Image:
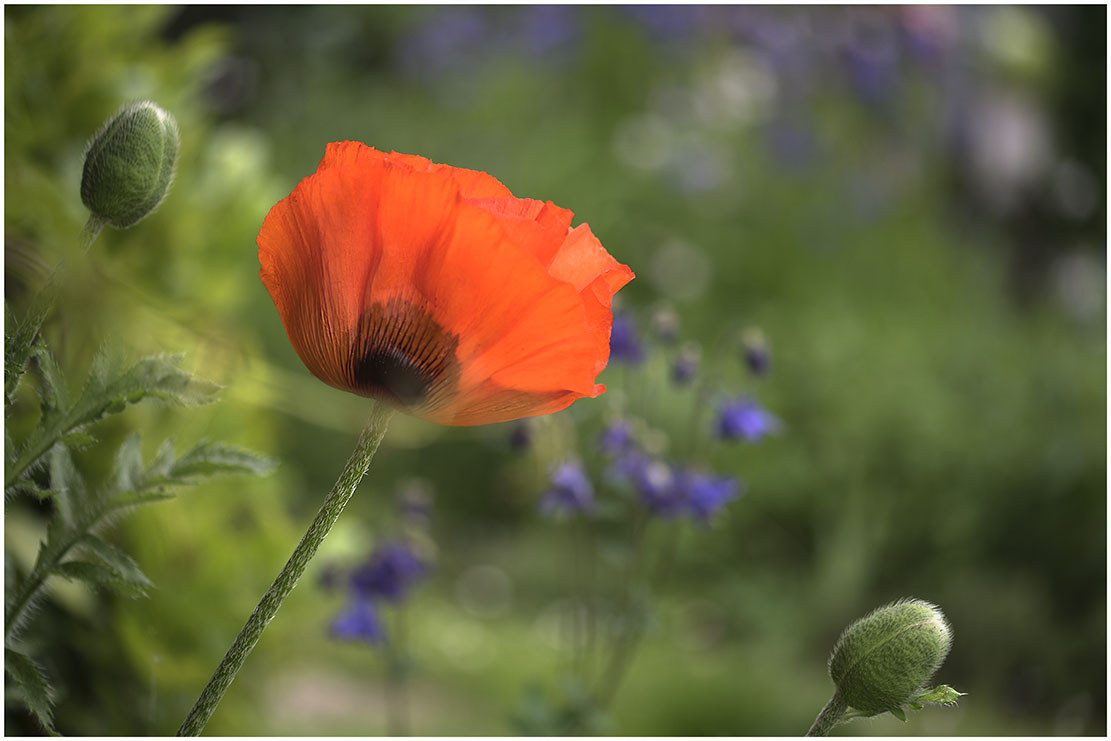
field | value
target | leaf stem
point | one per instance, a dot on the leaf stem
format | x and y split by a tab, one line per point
831	715
329	512
47	560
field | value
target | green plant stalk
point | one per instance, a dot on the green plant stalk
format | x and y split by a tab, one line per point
831	715
326	517
36	580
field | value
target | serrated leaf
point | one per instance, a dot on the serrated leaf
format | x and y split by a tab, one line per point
898	713
128	468
78	440
67	483
163	461
98	575
112	558
19	339
157	376
129	499
108	392
29	487
34	686
943	694
52	387
210	459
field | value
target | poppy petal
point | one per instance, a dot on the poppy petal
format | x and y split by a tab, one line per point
433	289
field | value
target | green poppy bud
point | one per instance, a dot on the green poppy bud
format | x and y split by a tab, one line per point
883	659
129	165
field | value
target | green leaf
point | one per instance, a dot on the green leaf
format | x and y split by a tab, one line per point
29	487
99	574
20	339
126	571
128	468
943	694
899	713
68	485
52	387
109	391
134	485
211	459
78	440
34	686
159	469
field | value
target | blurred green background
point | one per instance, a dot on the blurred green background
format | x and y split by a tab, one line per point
908	201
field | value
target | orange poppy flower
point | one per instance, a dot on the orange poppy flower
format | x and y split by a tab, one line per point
433	289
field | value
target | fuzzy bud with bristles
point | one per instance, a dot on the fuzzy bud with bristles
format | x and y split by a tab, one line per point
883	659
129	165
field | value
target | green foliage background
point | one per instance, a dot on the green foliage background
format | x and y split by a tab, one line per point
939	365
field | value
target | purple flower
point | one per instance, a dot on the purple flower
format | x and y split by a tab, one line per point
545	30
390	572
570	492
625	344
359	622
653	479
685	368
744	419
705	495
616	438
659	489
754	348
449	40
871	60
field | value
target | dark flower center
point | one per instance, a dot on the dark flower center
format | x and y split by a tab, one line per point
401	355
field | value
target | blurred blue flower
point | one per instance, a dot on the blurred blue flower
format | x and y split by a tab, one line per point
392	569
659	490
686	367
545	30
744	419
669	22
359	622
449	40
871	61
570	492
653	480
705	495
757	354
625	344
616	438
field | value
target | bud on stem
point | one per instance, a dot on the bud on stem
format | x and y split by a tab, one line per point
128	167
882	662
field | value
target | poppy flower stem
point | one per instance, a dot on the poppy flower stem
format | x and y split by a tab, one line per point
329	512
830	716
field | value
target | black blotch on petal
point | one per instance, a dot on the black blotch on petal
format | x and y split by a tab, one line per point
401	356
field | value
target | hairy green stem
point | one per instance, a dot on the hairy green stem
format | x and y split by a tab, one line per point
830	716
329	512
92	230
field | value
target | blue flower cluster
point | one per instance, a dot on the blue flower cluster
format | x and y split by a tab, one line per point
570	491
672	490
744	419
665	487
387	576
